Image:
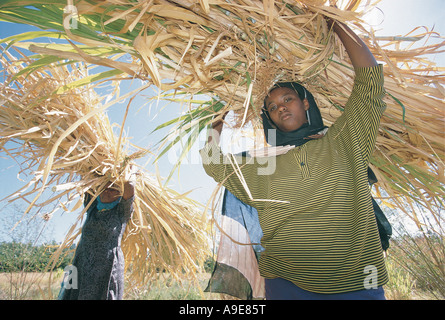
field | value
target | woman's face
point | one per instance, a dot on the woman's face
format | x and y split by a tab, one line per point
110	194
286	109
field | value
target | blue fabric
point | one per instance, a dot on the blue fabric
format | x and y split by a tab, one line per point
281	289
106	206
246	215
224	278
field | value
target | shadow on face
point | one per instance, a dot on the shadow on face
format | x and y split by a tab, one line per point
110	194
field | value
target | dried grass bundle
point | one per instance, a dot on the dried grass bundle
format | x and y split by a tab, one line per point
235	50
58	131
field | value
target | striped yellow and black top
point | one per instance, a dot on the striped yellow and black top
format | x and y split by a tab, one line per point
318	221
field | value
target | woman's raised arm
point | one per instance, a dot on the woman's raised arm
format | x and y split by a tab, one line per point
357	50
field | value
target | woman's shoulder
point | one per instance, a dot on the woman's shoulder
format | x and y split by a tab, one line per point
369	76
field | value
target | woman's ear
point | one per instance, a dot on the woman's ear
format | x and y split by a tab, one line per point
306	104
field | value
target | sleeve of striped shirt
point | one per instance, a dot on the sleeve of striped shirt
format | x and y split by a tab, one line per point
359	124
242	176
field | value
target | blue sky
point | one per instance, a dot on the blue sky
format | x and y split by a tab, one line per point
398	18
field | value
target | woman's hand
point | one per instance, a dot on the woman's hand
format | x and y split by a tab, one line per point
129	183
216	130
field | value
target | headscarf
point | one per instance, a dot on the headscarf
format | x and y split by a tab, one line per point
101	206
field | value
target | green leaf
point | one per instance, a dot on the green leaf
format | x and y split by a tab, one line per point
185	150
88	80
46	60
32	35
401	104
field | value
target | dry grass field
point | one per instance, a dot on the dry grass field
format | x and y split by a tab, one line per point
33	286
27	285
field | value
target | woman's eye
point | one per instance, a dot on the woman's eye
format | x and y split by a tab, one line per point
272	108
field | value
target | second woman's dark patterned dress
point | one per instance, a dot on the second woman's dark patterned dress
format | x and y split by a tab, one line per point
99	259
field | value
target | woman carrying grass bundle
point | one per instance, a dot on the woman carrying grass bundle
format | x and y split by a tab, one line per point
320	236
99	261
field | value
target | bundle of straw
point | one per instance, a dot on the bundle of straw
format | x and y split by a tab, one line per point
59	132
235	50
